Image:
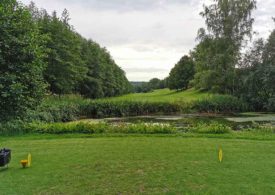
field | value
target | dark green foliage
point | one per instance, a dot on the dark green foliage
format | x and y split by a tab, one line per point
65	65
181	74
221	104
229	23
56	113
13	127
99	109
140	87
214	66
257	75
77	65
21	61
103	77
153	84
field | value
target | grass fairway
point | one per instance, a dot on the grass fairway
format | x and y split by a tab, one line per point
164	95
134	165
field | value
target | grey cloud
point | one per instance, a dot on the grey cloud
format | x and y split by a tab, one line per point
129	5
146	70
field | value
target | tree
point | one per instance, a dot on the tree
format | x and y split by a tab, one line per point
256	75
21	61
269	72
75	64
65	66
250	86
229	24
154	83
181	74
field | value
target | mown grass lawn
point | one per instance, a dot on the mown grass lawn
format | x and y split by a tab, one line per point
134	165
164	95
161	95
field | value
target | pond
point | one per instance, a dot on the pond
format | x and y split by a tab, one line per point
182	121
236	122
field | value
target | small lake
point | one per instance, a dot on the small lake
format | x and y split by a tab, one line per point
236	121
261	117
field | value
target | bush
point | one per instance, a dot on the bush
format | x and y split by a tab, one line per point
93	128
220	104
15	127
263	129
55	113
271	104
101	109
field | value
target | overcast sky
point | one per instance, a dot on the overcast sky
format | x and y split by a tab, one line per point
145	37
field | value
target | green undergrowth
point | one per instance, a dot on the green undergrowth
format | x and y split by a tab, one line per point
73	107
104	128
100	128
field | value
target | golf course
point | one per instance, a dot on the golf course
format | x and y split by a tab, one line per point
134	156
122	97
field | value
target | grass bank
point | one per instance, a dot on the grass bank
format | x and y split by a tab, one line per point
69	108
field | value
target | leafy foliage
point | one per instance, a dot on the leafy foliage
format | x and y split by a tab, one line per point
77	65
145	87
92	128
221	104
181	74
21	61
229	23
256	76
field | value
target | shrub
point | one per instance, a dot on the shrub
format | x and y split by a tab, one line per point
99	109
220	104
271	104
15	127
55	113
92	128
263	129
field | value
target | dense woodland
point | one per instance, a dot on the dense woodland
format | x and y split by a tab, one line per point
41	53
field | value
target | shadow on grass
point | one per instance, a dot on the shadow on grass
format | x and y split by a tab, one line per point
3	169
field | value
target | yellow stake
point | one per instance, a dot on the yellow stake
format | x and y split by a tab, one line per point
29	160
220	155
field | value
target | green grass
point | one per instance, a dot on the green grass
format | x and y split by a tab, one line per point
135	165
161	95
164	95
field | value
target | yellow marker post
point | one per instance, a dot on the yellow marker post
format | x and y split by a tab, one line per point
220	155
29	160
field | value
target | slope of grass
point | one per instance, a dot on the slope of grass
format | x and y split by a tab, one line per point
164	95
161	95
135	165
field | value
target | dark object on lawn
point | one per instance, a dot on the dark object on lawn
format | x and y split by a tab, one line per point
5	157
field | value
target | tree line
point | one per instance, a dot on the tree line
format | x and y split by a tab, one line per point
42	53
218	63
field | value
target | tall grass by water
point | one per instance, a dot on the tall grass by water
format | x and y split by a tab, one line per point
73	107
